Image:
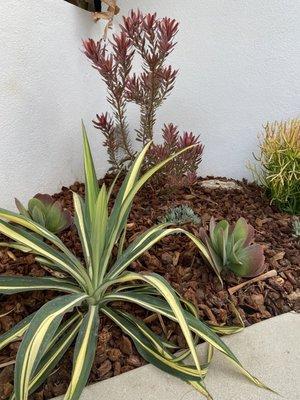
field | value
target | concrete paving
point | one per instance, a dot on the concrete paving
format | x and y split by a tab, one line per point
269	349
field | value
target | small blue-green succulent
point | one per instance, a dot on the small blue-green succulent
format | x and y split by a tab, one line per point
231	247
181	215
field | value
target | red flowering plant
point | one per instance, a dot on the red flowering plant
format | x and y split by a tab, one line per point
152	39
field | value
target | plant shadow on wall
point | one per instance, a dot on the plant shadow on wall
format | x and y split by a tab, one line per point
152	39
94	286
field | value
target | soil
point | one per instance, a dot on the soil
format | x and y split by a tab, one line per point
177	259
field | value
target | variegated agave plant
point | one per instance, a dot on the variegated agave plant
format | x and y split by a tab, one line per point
232	247
92	288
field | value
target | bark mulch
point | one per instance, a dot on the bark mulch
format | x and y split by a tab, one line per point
175	258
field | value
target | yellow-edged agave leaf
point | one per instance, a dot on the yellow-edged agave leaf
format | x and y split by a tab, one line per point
138	247
83	230
84	353
122	206
77	316
134	171
126	204
91	183
130	179
162	307
203	251
43	249
18	284
42	231
16	332
39	333
64	339
160	345
149	352
166	290
98	233
158	342
201	389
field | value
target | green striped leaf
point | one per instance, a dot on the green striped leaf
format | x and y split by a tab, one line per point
18	284
42	231
161	306
150	353
60	344
84	353
98	234
136	248
166	290
91	183
37	337
15	332
82	225
20	235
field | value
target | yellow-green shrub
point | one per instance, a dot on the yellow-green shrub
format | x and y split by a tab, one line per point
279	156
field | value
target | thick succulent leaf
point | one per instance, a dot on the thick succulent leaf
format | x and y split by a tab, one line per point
251	261
55	218
37	337
166	290
91	183
46	199
160	306
16	332
243	231
84	353
37	214
18	284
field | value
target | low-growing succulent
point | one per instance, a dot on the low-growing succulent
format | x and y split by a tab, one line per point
181	215
44	210
296	228
232	247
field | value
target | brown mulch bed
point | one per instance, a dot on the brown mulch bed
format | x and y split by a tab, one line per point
178	261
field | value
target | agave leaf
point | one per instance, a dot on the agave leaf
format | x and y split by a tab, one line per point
40	332
16	332
84	353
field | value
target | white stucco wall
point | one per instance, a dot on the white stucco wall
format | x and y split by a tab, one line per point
46	87
239	67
